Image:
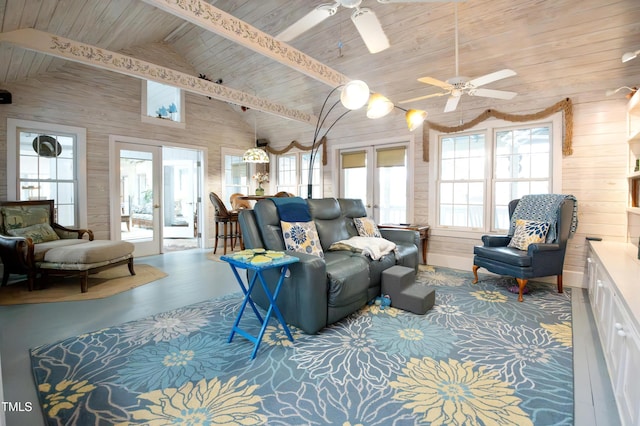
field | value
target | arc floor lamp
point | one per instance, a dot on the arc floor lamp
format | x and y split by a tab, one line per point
355	94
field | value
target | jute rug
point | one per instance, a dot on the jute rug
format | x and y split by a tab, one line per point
104	284
478	357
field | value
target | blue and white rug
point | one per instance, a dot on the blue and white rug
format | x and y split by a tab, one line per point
478	357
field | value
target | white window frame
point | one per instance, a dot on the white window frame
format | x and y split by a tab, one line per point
224	152
182	124
409	140
301	176
489	127
13	151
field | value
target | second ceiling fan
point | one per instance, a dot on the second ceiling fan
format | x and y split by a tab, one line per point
459	85
363	18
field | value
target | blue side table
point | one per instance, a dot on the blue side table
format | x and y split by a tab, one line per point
244	263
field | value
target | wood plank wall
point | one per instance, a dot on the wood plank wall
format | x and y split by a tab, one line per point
106	104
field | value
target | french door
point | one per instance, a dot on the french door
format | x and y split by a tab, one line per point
137	216
378	175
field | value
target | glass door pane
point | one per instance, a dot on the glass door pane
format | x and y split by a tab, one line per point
140	194
378	176
391	188
181	191
355	176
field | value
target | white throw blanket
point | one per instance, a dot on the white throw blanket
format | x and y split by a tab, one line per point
373	247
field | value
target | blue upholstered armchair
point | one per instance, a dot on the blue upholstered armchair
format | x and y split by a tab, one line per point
539	259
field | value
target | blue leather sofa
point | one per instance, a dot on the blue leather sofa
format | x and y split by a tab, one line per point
321	291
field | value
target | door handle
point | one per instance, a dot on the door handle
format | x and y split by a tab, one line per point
156	206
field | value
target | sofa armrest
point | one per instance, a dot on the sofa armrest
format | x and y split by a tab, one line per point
495	240
303	297
406	236
17	251
68	233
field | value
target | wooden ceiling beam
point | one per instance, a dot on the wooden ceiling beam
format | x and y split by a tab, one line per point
87	54
217	21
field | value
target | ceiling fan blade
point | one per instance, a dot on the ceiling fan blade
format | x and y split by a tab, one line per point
491	93
370	30
452	103
308	21
435	82
419	98
421	1
489	78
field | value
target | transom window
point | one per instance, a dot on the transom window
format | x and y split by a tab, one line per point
162	104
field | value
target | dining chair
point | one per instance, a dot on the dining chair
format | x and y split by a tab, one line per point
229	220
237	204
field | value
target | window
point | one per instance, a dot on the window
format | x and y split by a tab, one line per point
236	176
287	173
462	180
293	174
47	166
480	171
162	104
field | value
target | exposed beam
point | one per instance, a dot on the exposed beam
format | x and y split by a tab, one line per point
75	51
217	21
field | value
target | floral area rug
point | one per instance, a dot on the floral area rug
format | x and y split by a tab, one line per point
478	357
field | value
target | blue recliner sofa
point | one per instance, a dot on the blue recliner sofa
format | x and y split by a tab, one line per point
321	291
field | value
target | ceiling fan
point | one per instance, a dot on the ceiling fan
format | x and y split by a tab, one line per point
459	85
363	18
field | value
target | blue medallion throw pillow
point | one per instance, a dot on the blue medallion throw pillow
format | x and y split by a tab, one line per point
302	237
366	227
528	232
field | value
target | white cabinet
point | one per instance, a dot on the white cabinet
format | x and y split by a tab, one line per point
612	277
624	347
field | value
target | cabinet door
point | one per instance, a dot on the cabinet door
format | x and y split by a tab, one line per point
592	267
625	360
615	340
602	307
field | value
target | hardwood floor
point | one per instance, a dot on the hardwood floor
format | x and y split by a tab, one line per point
193	278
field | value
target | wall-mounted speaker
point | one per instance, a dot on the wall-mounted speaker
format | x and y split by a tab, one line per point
5	97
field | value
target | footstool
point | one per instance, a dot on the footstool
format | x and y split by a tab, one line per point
399	283
84	259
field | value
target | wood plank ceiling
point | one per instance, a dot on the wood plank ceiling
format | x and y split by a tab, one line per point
558	48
